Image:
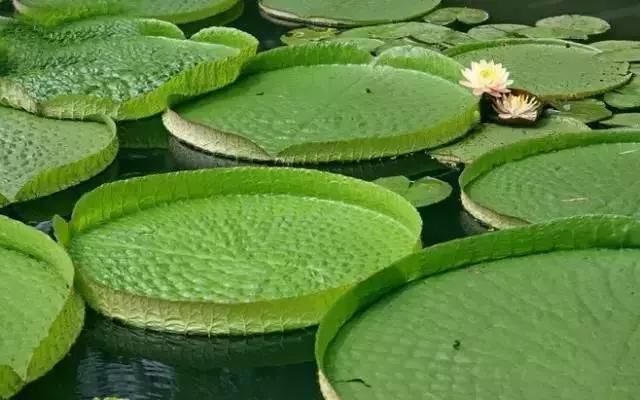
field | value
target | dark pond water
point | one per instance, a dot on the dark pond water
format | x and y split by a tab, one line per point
111	360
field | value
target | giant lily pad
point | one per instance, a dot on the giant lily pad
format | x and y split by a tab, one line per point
179	12
40	314
123	68
330	102
488	137
40	156
151	251
554	177
552	69
346	13
542	312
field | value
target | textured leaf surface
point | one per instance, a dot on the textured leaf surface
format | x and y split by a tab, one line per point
581	23
548	311
488	137
294	111
623	120
180	12
346	13
154	258
586	110
421	193
465	15
625	97
550	69
39	156
123	68
554	177
619	50
39	314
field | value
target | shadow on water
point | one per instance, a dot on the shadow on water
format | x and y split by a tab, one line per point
112	360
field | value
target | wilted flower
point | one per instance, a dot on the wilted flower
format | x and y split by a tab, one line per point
517	106
487	77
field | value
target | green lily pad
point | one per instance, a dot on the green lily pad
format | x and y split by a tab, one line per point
305	35
421	193
552	32
488	137
147	133
555	177
579	23
631	120
329	102
150	251
552	69
40	156
465	15
518	314
625	97
619	50
496	31
350	13
436	34
586	110
421	59
54	12
123	68
40	314
393	31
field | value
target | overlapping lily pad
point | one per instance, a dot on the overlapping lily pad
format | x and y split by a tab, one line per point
619	50
488	137
496	31
552	69
449	15
233	251
345	13
123	68
419	32
40	156
629	120
330	102
555	177
421	193
625	97
52	12
585	110
522	314
40	314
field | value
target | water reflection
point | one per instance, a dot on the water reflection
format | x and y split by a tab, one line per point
112	360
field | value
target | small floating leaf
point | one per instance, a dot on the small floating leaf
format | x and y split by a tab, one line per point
552	32
304	35
421	193
587	110
631	120
625	97
449	15
488	137
340	13
436	34
389	31
287	241
564	175
496	31
581	23
619	50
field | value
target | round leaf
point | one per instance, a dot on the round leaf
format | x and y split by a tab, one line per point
581	23
465	15
555	177
151	251
305	35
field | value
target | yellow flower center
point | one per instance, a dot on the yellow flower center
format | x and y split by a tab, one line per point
488	74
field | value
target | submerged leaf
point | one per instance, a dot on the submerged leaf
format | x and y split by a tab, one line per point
421	193
449	15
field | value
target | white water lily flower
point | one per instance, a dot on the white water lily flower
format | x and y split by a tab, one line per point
520	106
487	77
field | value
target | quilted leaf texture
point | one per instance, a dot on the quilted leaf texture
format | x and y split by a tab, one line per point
548	311
40	314
51	12
556	176
233	251
324	102
122	68
40	156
